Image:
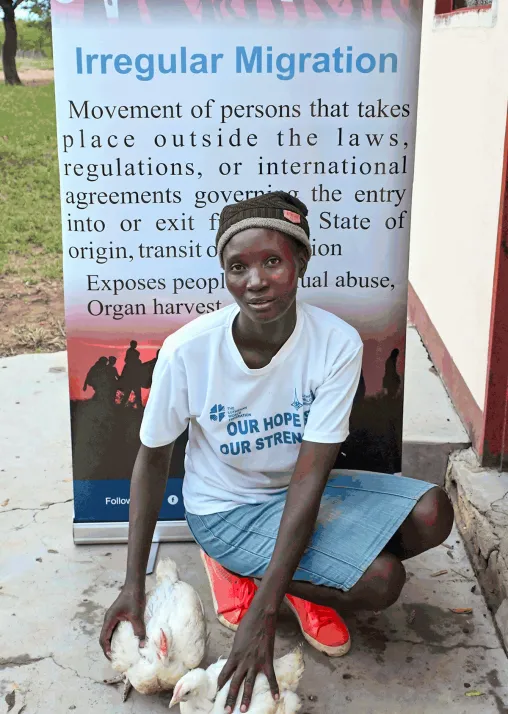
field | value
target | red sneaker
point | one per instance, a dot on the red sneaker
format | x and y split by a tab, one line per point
232	595
322	627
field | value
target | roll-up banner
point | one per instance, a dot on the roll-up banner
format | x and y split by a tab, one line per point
166	111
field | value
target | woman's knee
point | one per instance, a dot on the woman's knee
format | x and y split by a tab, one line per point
384	580
433	516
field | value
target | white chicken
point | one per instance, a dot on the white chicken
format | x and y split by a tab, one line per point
197	692
175	636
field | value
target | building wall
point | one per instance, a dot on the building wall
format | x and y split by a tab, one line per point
459	161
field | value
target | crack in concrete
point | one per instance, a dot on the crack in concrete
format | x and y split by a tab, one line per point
71	669
26	660
37	510
444	648
493	506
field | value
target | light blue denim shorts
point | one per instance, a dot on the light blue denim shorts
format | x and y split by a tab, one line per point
360	512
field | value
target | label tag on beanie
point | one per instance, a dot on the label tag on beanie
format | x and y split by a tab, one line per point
292	216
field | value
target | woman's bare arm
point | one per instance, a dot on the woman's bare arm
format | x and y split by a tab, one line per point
253	646
303	500
148	484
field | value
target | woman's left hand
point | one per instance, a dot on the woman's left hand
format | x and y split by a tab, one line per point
251	655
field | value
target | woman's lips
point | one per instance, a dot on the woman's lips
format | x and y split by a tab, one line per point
261	305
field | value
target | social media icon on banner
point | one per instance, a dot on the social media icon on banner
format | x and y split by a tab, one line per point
173	500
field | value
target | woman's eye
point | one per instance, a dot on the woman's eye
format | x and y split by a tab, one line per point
236	268
273	261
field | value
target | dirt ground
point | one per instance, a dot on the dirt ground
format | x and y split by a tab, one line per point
31	316
34	76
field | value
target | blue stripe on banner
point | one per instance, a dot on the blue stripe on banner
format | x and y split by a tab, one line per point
108	501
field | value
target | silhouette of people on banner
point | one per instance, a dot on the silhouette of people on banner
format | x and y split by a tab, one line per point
361	390
104	379
107	432
97	378
391	379
131	376
113	378
148	368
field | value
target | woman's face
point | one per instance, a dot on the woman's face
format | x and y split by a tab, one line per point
262	268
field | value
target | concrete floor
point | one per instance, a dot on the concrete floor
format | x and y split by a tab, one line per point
417	657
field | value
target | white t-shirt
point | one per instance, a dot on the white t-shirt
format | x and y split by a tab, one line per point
246	425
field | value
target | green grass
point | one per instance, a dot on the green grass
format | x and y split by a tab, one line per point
30	233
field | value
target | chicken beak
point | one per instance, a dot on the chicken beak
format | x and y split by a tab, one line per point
175	699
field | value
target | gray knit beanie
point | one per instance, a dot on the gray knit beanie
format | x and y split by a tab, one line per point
277	211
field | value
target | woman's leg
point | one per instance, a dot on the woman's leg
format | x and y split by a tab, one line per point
428	525
378	588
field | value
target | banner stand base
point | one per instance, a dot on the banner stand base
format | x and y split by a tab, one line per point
154	550
98	533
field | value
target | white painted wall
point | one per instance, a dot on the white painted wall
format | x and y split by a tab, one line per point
459	154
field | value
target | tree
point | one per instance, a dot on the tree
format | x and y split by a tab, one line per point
10	46
41	13
41	10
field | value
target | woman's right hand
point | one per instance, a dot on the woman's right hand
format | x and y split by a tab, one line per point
128	607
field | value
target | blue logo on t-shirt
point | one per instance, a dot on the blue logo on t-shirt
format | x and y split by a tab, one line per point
307	400
296	403
217	412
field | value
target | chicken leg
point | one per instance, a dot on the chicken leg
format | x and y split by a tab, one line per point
127	686
115	680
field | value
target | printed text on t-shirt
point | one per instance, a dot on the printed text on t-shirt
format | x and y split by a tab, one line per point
244	427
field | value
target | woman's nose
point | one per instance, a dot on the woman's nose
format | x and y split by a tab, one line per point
256	279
